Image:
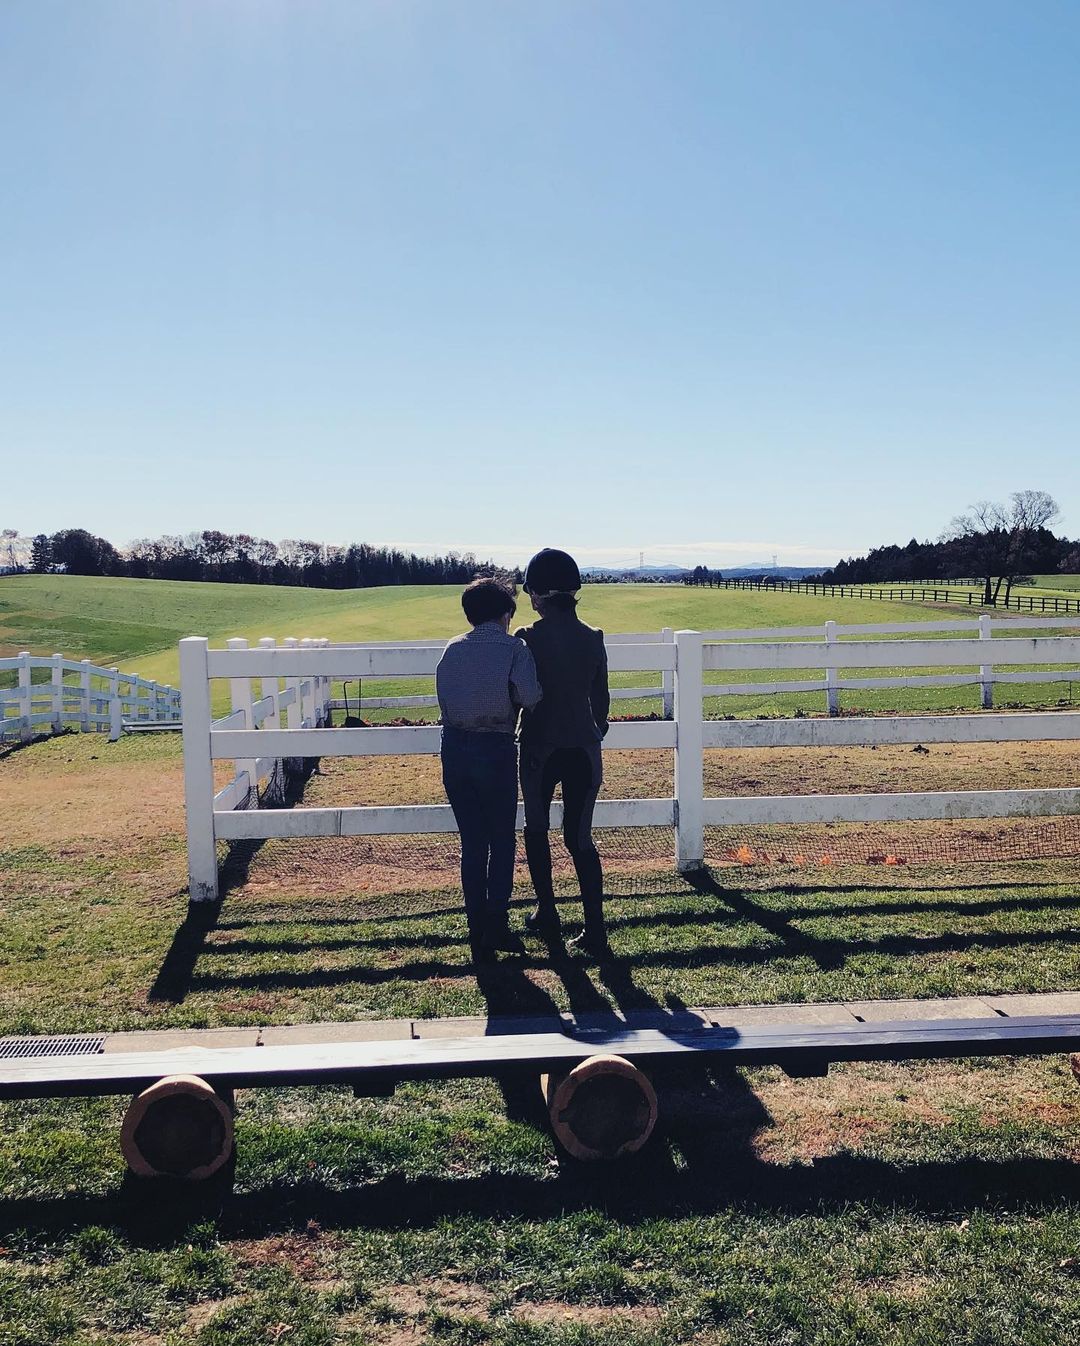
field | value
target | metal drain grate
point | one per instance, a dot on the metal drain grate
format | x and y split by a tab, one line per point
64	1046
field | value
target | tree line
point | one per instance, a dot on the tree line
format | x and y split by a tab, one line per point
999	544
239	558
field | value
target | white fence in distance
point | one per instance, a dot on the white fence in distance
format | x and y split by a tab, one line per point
295	679
78	694
830	683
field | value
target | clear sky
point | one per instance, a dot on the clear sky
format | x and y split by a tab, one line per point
710	280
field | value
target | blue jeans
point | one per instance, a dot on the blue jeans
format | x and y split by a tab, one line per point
480	777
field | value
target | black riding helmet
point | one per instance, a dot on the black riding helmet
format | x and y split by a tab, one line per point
552	572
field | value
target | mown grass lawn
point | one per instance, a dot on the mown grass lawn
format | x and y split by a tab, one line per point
935	1203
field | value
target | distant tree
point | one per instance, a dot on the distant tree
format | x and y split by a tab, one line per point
40	554
1001	538
9	549
81	553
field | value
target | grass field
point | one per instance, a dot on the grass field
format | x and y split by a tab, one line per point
1066	584
140	621
135	625
934	1204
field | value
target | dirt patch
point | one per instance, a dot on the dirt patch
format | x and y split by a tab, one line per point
415	1306
741	771
383	1334
408	1310
461	1298
198	1315
307	1256
559	1314
57	789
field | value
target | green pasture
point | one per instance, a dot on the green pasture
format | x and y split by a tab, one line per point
1066	584
135	624
1041	586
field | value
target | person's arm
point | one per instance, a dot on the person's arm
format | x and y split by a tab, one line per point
599	696
525	689
439	686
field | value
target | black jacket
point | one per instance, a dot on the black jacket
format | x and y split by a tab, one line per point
571	663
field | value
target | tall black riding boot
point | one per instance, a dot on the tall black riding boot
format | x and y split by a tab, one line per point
593	939
544	918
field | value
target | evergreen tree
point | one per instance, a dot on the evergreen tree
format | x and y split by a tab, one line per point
40	554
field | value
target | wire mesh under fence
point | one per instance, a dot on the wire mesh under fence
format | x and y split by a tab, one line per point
634	860
281	783
952	842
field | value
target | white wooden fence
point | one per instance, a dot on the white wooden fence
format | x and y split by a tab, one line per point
830	683
295	680
69	693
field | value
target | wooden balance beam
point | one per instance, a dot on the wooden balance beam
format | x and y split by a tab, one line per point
601	1101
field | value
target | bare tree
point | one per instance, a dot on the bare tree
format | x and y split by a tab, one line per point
999	537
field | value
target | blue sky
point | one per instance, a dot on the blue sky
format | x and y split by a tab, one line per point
709	280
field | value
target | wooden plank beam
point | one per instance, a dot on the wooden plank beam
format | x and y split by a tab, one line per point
804	1046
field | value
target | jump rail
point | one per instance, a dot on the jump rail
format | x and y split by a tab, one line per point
294	681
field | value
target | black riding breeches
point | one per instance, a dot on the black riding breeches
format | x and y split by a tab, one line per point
580	773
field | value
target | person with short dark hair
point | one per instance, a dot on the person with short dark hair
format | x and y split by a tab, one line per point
560	745
483	680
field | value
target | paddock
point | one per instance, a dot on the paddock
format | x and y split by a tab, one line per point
295	681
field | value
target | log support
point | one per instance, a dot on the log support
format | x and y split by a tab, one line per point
602	1109
180	1127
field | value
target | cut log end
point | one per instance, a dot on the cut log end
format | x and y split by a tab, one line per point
179	1127
603	1109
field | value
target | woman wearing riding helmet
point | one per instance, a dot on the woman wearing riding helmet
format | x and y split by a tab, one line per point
560	744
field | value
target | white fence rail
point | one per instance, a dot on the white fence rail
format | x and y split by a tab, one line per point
49	694
290	715
831	682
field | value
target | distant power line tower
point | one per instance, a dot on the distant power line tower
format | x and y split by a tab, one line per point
641	560
774	560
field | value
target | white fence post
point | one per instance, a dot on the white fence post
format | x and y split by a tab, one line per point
198	771
116	727
689	753
986	632
667	678
307	701
294	712
325	717
832	692
25	694
57	693
84	695
270	687
240	694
